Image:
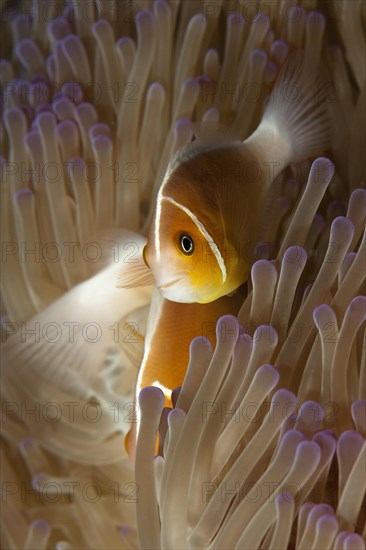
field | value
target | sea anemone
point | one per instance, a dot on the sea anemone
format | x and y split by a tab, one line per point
265	446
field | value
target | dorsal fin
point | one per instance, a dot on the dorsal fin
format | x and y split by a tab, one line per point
208	134
296	122
214	132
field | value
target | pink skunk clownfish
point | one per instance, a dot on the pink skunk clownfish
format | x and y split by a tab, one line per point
208	206
206	218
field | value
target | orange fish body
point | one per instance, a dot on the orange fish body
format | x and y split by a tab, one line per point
166	354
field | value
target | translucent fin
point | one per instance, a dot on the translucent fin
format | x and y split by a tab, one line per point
212	131
208	134
128	254
296	121
299	104
137	274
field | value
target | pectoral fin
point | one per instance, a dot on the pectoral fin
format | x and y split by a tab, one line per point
135	275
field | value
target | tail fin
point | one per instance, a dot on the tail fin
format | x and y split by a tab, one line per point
296	121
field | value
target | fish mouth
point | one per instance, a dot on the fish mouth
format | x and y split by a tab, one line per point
167	285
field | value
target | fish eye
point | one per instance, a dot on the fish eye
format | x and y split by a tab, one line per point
186	244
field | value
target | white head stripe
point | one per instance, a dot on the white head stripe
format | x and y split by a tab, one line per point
214	249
